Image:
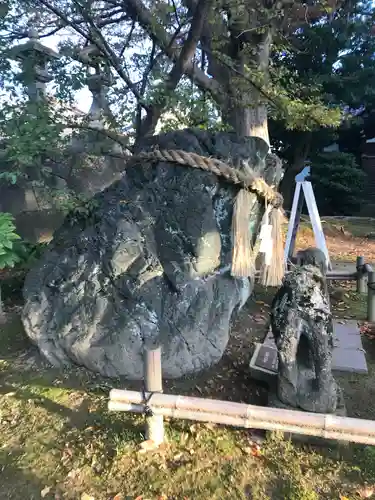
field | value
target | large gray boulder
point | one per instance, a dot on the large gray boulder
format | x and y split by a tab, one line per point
150	265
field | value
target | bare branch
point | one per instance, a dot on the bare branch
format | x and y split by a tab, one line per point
138	12
176	14
109	134
127	41
98	40
182	63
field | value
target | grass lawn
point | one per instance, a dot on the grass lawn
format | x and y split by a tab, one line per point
58	441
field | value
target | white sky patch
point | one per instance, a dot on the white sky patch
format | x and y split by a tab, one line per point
83	97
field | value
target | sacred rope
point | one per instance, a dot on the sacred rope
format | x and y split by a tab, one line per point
243	259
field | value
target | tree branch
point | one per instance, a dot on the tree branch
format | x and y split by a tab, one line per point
127	41
182	63
99	41
176	14
143	88
138	12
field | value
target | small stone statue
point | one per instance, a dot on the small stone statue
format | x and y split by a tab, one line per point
301	322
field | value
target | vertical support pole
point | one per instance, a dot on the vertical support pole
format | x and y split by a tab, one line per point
291	224
361	278
371	297
316	223
153	382
295	227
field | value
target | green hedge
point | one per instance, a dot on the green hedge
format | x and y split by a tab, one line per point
338	183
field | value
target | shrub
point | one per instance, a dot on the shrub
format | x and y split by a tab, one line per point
338	183
15	252
8	236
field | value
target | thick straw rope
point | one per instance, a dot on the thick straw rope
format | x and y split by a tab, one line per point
243	259
246	180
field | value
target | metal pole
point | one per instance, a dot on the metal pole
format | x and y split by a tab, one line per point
371	297
153	382
361	277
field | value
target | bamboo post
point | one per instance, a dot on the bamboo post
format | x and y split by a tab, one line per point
248	416
361	278
371	297
154	384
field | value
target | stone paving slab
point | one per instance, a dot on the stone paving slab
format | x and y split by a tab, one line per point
348	354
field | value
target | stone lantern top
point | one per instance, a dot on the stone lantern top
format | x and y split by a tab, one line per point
34	58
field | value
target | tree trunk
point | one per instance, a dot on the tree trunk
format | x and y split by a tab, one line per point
246	108
249	121
301	153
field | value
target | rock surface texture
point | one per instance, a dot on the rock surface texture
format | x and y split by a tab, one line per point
149	266
302	325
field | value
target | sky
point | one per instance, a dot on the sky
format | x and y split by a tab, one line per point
84	96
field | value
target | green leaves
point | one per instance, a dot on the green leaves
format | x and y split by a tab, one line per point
338	183
8	235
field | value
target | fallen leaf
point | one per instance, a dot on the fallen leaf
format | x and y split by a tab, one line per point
148	445
343	498
210	426
366	492
45	491
253	450
184	437
256	452
119	496
193	428
85	496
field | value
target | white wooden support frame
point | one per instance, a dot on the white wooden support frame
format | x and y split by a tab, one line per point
304	188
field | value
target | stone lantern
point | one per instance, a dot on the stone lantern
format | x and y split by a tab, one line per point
34	58
99	79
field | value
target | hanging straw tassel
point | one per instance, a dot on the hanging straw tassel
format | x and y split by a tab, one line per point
273	274
243	264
